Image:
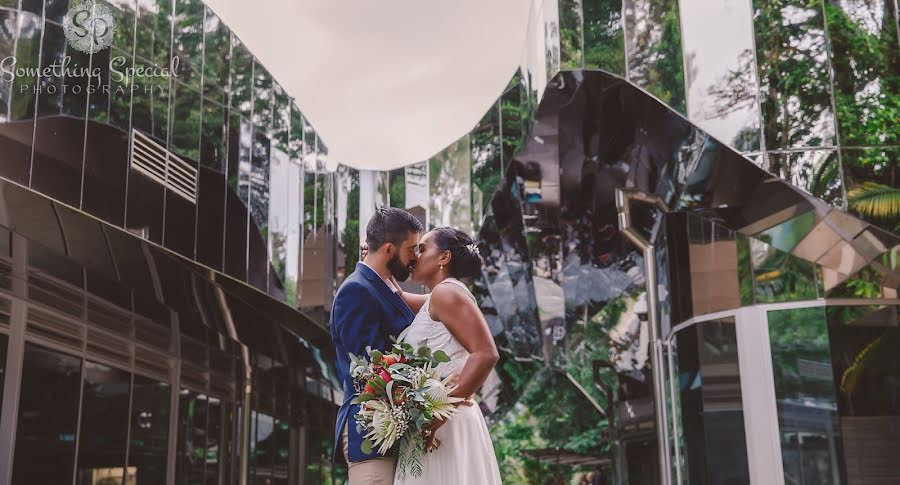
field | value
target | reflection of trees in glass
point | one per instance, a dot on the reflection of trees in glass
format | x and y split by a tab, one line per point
654	49
512	119
604	39
735	92
866	71
551	412
485	143
449	176
872	177
799	337
570	35
397	188
348	179
876	201
793	73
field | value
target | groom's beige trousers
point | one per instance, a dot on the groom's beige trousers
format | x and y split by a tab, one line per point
377	471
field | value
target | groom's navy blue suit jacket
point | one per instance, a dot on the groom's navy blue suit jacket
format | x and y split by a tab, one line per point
366	312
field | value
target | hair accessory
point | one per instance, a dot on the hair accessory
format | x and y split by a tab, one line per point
474	249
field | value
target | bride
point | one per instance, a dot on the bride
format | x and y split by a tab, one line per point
461	452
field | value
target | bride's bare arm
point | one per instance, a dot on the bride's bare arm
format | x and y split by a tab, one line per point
454	307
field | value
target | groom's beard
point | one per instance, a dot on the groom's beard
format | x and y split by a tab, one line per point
398	270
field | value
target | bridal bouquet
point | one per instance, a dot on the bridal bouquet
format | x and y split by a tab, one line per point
400	393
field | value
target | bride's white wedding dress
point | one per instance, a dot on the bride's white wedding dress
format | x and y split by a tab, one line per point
466	455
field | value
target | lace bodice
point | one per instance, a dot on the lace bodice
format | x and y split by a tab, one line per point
426	331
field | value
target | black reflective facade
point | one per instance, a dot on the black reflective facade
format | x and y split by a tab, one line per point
166	214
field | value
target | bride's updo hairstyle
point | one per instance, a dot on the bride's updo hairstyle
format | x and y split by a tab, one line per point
466	259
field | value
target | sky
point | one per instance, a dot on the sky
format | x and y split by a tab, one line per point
385	83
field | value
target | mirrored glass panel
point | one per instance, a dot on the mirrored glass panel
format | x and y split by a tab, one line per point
484	142
653	47
817	172
149	439
216	58
807	402
450	187
872	177
104	425
571	38
13	136
279	211
793	74
604	39
347	205
712	409
191	457
863	37
722	88
48	417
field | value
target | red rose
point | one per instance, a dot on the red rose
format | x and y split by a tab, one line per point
385	376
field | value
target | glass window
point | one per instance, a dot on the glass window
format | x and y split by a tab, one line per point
216	439
104	425
188	36
211	193
262	98
257	258
53	51
869	173
653	46
262	448
282	437
213	149
28	49
863	37
722	90
712	407
604	39
185	121
818	172
48	417
181	220
485	146
217	58
236	216
397	187
120	82
149	446
571	38
241	77
450	191
793	74
105	172
347	221
279	211
192	414
17	156
805	394
54	10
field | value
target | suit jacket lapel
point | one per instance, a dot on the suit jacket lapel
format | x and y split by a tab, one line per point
386	292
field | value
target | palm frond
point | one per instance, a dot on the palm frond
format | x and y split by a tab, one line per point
875	200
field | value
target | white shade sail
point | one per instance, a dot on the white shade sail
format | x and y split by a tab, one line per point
386	83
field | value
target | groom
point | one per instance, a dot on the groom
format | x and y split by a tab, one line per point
367	312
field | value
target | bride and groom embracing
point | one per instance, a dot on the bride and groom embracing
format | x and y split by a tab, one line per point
370	308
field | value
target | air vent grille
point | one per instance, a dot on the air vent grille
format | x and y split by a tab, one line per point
154	161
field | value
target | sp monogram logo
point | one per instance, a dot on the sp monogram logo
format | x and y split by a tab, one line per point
89	26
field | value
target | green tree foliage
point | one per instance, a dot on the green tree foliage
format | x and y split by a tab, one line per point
604	38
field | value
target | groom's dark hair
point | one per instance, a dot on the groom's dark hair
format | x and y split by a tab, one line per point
390	225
